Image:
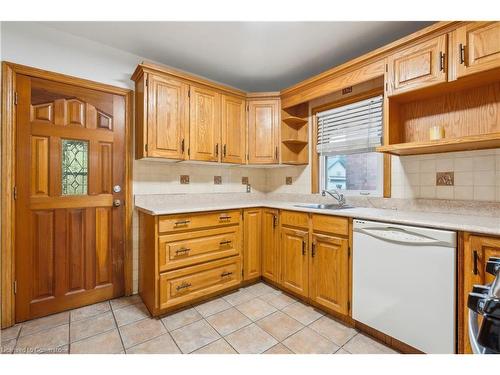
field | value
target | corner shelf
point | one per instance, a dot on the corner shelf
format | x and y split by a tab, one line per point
295	135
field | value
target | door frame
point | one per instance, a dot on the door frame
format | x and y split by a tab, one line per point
8	157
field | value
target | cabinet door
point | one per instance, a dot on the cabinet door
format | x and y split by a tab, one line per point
252	236
233	130
477	251
263	131
419	66
477	47
270	258
329	272
167	118
294	260
204	124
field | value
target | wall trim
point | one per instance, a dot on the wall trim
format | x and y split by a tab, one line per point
8	153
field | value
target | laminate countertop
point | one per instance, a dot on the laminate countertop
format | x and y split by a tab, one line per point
468	223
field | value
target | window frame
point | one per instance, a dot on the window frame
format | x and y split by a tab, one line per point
315	156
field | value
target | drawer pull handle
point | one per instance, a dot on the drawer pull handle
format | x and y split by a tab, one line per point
227	242
476	259
461	53
182	222
182	250
184	285
225	274
313	252
224	217
304	247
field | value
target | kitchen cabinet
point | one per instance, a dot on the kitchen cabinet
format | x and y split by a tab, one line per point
162	122
188	257
418	66
329	272
204	124
477	47
233	130
477	250
252	243
294	260
270	248
263	131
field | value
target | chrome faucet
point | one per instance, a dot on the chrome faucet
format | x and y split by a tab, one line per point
339	197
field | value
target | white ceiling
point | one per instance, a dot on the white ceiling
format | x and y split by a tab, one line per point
252	56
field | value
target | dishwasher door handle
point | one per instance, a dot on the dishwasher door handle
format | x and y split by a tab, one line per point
373	233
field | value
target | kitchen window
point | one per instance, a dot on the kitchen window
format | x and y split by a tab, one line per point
347	138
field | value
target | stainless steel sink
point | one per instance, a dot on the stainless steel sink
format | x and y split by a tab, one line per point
322	206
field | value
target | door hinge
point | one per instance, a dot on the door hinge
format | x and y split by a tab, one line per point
15	286
14	192
386	67
15	98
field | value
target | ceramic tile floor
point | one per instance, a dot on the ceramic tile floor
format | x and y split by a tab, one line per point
254	319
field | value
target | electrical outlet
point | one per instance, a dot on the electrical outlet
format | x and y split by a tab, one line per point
288	180
249	188
218	180
184	179
244	180
445	178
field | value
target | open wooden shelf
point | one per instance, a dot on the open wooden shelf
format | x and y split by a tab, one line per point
295	142
471	142
295	135
294	121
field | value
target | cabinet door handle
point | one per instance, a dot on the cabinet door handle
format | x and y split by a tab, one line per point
476	258
461	53
184	285
182	146
182	222
303	247
225	274
216	149
442	58
227	242
313	249
182	250
224	151
276	153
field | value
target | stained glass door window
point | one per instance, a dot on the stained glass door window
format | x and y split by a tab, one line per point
74	167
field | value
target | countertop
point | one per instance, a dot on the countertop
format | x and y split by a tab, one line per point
468	223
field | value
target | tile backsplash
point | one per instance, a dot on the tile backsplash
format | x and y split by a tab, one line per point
476	175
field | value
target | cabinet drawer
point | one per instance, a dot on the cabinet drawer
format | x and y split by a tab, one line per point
330	224
177	223
295	219
184	285
187	249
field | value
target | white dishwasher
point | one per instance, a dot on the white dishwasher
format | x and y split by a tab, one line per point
404	283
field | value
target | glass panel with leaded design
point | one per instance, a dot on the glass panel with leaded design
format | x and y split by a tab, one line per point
74	167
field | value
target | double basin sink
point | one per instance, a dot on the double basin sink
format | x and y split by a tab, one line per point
323	206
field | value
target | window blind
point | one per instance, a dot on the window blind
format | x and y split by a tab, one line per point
352	128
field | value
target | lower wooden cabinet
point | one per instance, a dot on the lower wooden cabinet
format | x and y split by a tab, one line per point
477	250
329	272
252	243
270	241
294	260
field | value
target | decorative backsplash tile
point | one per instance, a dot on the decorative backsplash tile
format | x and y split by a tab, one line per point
244	180
288	180
474	175
184	179
217	180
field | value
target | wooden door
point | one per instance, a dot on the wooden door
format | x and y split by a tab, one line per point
233	130
270	253
252	243
204	124
294	260
167	118
70	146
477	47
477	251
263	131
329	272
418	66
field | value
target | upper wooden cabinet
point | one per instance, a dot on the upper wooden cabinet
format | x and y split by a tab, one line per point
477	47
418	66
233	130
263	131
204	124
